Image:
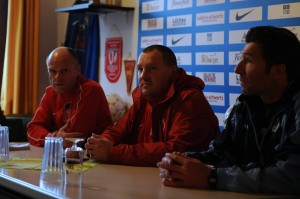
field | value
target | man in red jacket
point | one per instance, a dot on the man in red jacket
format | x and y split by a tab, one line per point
71	106
169	113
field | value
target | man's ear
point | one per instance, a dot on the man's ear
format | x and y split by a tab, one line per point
78	68
278	70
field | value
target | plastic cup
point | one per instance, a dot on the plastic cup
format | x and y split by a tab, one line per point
4	143
52	165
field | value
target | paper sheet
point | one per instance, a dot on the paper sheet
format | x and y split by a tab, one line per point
36	164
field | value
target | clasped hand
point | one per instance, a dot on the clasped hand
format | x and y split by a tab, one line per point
98	148
62	133
178	170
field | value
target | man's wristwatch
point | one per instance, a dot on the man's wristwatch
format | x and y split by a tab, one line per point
213	178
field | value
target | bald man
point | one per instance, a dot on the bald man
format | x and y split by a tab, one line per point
72	106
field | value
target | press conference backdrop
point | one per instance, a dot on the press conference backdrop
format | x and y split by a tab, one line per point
207	37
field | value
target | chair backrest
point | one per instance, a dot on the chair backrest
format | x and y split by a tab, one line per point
18	127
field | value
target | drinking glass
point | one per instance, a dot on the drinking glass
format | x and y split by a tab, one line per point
52	165
74	155
4	143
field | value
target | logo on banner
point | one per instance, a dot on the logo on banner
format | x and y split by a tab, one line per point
211	78
179	4
280	11
152	6
240	17
234	79
210	38
286	9
209	2
246	14
216	99
184	58
235	57
237	36
152	24
113	58
179	40
210	18
175	41
210	58
179	21
150	40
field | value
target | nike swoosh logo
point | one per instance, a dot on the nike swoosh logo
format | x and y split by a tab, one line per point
177	40
239	17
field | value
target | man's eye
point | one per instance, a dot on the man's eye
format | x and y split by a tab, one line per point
64	71
246	59
51	72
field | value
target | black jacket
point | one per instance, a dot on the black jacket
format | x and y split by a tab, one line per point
249	159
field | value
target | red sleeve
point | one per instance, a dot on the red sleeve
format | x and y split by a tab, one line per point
37	129
190	125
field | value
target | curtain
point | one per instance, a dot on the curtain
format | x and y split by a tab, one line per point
3	23
19	91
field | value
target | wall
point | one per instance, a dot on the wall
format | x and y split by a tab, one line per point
207	37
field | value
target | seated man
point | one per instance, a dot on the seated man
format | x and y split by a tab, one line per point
169	112
71	106
259	149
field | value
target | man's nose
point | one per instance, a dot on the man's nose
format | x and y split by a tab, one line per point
239	67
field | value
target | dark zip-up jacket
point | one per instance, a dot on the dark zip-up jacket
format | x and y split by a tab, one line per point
256	153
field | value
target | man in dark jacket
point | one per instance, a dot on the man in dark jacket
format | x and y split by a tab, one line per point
169	113
259	150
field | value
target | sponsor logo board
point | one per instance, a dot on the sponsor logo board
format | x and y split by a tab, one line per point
288	10
179	4
245	14
152	6
209	2
150	40
234	57
211	78
210	38
179	40
215	99
184	58
179	21
153	24
237	36
234	79
210	18
210	58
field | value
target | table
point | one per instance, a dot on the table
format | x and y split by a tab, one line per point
105	181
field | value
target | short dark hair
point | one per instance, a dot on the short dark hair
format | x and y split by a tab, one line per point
169	57
279	46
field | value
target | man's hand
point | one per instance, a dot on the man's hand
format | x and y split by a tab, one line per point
98	148
178	170
62	133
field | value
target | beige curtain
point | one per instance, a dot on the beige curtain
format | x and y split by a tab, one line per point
19	92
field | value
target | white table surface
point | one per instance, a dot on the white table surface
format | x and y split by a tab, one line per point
107	181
